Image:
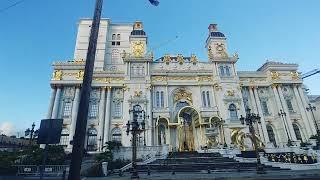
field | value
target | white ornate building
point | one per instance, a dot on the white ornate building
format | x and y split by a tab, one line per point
189	103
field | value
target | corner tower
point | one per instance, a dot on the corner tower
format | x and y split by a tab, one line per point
138	40
216	43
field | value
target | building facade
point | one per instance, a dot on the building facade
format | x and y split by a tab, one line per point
189	103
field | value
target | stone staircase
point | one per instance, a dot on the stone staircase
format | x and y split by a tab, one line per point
197	162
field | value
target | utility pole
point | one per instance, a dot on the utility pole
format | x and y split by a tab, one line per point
81	124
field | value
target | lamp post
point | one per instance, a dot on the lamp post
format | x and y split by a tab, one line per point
32	133
284	114
250	119
312	109
134	128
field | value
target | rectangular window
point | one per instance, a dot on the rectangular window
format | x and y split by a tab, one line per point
221	71
208	99
118	43
289	104
204	104
67	109
265	108
162	99
157	99
93	110
113	43
117	109
228	71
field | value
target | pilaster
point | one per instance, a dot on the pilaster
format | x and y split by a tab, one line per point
55	110
288	119
302	110
101	118
107	117
309	116
263	123
51	103
75	107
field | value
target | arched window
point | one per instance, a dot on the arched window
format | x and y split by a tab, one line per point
161	134
118	36
64	139
227	70
297	131
113	36
208	99
204	103
116	135
92	139
180	105
221	69
233	112
271	135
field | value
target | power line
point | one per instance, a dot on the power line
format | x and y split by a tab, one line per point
11	6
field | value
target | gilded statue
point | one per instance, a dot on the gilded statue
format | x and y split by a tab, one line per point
167	59
275	75
80	75
57	75
137	93
180	59
193	59
294	75
230	92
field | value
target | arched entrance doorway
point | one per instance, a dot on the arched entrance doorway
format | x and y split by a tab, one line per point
189	121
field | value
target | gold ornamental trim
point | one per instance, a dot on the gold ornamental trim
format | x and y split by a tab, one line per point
182	94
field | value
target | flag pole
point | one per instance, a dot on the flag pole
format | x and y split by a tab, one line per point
82	114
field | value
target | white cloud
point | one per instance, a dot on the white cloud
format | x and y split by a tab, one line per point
7	128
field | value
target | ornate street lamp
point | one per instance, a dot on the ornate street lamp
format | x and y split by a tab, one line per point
31	132
283	115
250	119
135	129
312	109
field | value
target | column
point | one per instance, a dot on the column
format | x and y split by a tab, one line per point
214	102
302	111
149	111
75	107
288	119
55	110
255	110
263	123
51	103
309	116
252	99
107	118
101	118
276	95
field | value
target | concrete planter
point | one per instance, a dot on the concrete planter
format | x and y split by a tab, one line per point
105	168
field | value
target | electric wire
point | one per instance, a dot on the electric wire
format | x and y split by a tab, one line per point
11	6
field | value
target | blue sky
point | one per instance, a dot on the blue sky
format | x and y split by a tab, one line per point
35	33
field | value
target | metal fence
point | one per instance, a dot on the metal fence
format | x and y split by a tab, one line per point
49	170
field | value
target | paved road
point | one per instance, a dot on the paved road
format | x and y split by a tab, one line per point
314	174
293	175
